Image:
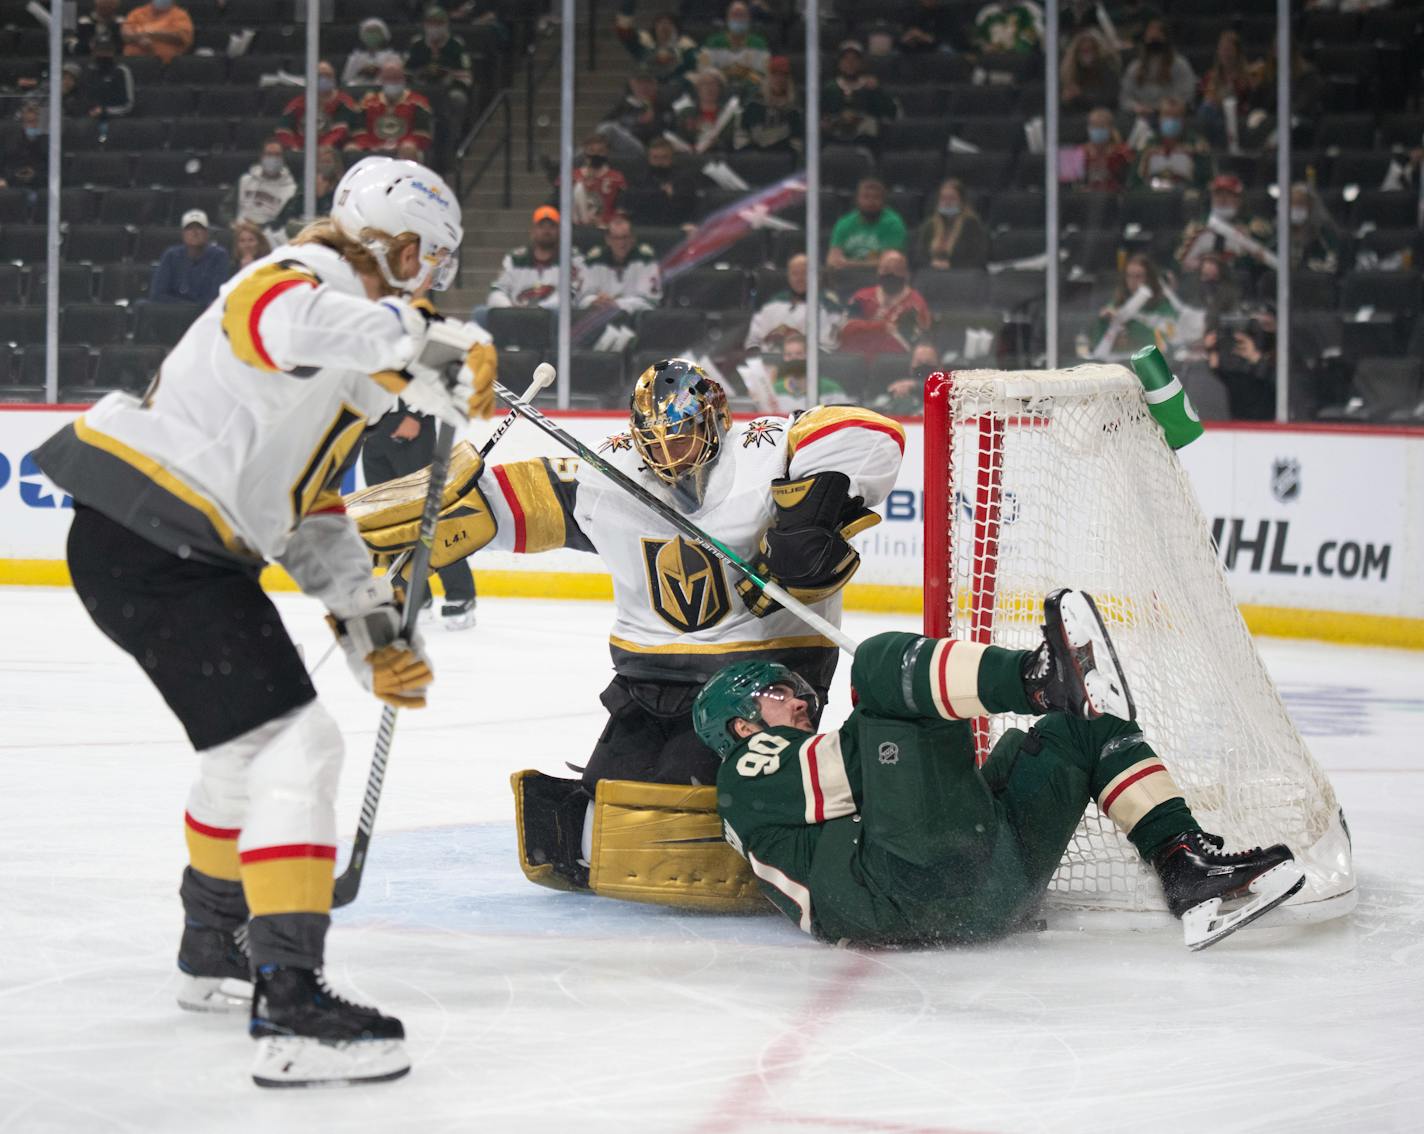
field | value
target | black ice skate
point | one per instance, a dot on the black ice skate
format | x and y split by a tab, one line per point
308	1036
458	615
1075	670
216	972
1198	880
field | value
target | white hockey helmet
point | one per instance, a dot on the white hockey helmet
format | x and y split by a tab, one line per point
393	196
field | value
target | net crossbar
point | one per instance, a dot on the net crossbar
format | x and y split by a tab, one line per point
1039	480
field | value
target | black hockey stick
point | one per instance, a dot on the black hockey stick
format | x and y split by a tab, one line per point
343	891
680	522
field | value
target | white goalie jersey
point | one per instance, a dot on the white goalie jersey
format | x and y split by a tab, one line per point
678	616
236	453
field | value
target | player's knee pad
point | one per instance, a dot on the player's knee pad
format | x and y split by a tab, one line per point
292	782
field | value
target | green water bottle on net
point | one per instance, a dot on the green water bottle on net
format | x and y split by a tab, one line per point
1166	399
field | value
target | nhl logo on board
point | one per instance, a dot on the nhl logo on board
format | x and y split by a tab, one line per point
889	752
1285	479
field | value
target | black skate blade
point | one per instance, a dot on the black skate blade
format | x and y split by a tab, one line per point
1255	915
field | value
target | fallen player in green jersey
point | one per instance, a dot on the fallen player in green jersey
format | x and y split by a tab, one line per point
886	833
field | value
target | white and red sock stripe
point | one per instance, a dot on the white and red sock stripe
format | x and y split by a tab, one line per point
954	679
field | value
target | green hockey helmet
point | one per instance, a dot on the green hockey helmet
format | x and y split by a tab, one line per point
735	691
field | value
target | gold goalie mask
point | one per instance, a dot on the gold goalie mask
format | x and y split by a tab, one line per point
679	418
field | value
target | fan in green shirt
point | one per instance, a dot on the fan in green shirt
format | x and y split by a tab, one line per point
886	833
860	236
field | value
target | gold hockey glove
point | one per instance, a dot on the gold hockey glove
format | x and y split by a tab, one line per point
807	548
396	670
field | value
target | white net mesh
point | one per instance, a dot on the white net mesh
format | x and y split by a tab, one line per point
1062	478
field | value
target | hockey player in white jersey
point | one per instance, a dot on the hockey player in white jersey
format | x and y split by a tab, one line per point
785	492
233	459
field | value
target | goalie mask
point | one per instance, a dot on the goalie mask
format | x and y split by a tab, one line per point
737	691
679	418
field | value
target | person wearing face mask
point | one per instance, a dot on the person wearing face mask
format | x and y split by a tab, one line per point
1158	72
440	62
374	51
852	104
24	162
666	193
662	48
392	114
597	185
264	191
1090	74
953	237
335	114
740	54
1102	163
888	316
906	396
160	28
861	236
1177	157
1203	236
1314	239
106	86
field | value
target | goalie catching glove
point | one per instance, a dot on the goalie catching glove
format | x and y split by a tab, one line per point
394	669
807	549
452	374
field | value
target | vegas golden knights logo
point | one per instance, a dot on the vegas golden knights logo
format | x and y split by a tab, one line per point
685	585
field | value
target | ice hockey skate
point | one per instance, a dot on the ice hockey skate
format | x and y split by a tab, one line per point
1075	670
215	972
309	1036
458	615
1216	893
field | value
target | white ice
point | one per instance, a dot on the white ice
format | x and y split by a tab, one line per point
529	1010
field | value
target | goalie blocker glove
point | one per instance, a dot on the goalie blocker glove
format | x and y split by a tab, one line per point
807	550
395	670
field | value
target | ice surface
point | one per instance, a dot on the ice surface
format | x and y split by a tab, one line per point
529	1010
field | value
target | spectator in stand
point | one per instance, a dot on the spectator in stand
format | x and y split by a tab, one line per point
249	244
952	237
106	88
787	376
1130	19
440	61
1010	27
264	190
1158	72
677	194
25	164
773	119
363	65
1103	163
705	120
870	229
740	54
1090	74
392	115
1212	288
329	168
1314	238
529	275
927	26
1229	78
664	50
160	28
640	112
785	313
1177	157
1307	85
852	104
105	22
191	272
597	185
71	101
1242	353
1203	236
887	317
906	396
335	114
620	278
1127	324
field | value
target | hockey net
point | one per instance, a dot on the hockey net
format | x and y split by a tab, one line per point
1042	479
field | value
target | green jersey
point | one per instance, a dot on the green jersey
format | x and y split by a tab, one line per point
861	239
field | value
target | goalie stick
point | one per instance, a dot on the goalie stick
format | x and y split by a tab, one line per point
343	891
679	521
